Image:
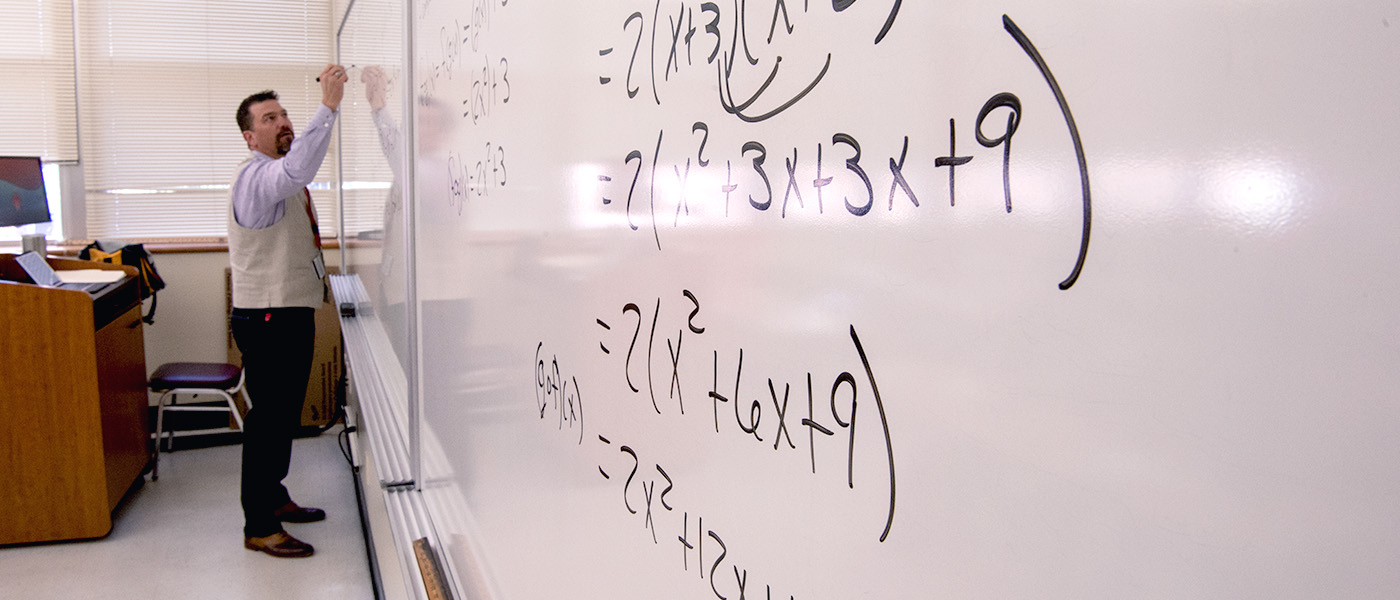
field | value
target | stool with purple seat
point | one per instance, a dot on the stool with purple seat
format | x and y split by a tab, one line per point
192	378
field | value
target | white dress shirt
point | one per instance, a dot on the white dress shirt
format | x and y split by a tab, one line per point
260	190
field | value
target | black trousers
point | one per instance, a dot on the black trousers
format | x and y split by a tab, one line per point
277	346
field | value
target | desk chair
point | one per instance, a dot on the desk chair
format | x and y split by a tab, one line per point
174	379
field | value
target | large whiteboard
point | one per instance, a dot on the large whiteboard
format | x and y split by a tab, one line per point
882	299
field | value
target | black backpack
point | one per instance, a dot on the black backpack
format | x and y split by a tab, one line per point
131	255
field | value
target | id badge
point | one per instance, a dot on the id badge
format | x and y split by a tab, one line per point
319	263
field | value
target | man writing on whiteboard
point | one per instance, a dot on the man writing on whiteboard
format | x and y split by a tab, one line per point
278	282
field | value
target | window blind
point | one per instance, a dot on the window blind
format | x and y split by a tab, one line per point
38	106
162	80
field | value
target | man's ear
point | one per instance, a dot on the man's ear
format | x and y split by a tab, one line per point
248	137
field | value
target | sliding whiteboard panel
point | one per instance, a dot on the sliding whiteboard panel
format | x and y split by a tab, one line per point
373	161
880	299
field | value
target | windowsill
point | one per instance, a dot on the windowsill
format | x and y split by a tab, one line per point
188	245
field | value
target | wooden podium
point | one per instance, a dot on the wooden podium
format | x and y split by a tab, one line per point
73	403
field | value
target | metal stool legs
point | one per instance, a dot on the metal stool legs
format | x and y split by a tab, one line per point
174	379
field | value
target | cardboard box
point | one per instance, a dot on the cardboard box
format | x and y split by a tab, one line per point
324	391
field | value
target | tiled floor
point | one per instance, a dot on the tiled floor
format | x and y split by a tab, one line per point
181	537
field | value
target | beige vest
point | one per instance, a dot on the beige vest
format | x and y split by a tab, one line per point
275	267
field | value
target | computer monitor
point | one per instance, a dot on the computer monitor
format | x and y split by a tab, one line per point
22	197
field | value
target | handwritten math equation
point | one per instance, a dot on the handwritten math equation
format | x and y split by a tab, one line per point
468	179
762	413
682	36
456	52
679	29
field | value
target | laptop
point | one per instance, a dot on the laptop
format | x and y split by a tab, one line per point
39	270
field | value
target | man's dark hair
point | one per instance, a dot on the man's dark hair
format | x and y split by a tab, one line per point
245	116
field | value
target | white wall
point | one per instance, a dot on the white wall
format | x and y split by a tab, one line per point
191	319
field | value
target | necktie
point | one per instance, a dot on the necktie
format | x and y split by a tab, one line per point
311	215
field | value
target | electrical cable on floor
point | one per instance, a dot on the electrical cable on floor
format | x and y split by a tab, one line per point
343	440
337	417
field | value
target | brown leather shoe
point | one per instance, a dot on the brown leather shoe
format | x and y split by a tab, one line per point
280	545
291	513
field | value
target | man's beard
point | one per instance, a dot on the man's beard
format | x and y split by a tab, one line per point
284	144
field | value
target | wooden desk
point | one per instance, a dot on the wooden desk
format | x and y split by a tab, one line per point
73	404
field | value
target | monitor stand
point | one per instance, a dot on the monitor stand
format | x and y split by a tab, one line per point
36	242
